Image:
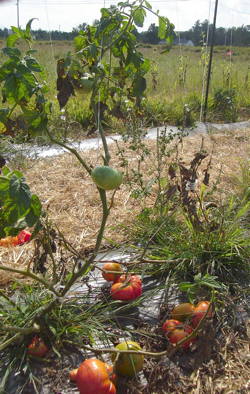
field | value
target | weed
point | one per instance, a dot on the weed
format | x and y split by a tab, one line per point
224	104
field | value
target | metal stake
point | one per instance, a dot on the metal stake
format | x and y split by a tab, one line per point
210	61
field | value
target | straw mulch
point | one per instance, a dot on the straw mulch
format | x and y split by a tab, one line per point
72	200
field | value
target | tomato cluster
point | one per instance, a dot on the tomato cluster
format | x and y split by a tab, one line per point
94	376
125	287
178	328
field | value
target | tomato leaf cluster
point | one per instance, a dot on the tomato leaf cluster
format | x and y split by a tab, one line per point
22	93
19	208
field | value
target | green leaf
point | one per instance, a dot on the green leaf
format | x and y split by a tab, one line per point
185	286
33	65
12	214
28	26
148	5
139	86
19	191
35	211
4	187
139	16
80	42
12	52
162	27
12	39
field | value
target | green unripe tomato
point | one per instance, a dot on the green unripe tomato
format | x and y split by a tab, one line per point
128	364
106	178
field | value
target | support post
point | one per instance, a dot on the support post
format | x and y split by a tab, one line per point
17	10
210	61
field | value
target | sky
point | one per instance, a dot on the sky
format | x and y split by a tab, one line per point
65	14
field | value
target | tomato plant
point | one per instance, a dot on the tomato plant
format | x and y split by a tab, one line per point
182	311
170	325
37	347
106	178
126	288
94	376
111	277
178	334
128	364
199	312
109	53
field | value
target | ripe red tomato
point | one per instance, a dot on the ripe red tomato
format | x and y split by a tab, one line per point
182	311
128	364
127	287
111	277
94	377
170	325
37	347
179	333
23	236
199	312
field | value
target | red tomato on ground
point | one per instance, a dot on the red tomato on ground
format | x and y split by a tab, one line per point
126	288
170	325
37	347
199	312
94	377
111	277
23	236
179	333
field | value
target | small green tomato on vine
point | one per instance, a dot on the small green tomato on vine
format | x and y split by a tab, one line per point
106	178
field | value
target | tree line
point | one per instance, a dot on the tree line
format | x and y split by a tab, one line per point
237	36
